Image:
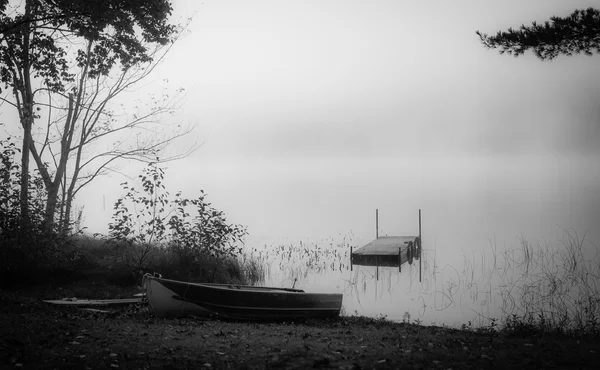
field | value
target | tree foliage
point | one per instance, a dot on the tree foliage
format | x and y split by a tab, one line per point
119	29
43	43
574	34
87	137
149	218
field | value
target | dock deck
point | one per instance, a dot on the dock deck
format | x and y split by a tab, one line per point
383	251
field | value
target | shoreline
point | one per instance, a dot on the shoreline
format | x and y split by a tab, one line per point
40	335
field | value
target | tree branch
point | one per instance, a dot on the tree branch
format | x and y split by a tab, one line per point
574	34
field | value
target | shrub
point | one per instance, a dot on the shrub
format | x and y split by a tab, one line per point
189	238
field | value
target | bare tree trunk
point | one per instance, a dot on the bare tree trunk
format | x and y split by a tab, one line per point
67	218
61	211
51	207
70	194
53	184
26	117
24	192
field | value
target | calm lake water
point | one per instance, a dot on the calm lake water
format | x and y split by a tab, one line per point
505	240
477	286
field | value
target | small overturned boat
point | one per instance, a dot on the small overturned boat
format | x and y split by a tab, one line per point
93	302
239	302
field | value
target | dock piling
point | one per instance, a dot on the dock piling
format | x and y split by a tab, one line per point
420	246
376	223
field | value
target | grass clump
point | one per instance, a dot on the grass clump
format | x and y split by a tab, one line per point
539	291
557	292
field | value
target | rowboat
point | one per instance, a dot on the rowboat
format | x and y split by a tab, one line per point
165	302
240	302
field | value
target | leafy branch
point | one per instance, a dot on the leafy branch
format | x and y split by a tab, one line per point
148	218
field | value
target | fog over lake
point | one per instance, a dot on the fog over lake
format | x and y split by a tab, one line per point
315	113
473	212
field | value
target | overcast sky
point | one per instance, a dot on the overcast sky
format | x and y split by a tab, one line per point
313	111
323	79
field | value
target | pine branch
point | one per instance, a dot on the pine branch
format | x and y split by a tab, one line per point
574	34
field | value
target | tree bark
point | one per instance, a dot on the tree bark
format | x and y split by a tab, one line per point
53	184
24	192
26	117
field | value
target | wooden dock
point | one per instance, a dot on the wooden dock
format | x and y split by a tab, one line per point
389	251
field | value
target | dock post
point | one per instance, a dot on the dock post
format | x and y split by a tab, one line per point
420	246
350	258
376	223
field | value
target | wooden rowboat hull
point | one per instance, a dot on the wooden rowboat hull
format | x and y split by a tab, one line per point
241	302
167	303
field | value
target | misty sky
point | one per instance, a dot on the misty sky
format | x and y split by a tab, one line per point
344	79
314	113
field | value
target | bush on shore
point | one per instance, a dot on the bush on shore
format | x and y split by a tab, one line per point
178	238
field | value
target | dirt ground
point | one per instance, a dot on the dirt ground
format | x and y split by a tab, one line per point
37	335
